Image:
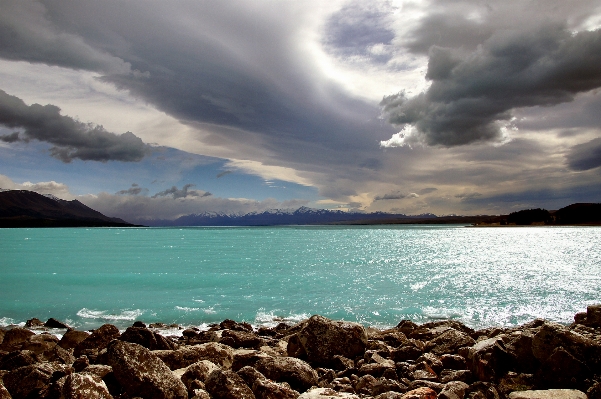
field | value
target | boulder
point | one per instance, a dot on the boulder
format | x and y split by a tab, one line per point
488	359
53	323
72	338
548	394
4	394
420	393
562	370
519	348
266	389
389	395
221	355
141	373
448	342
516	382
17	359
228	324
34	323
250	375
30	381
326	393
14	338
84	386
147	338
240	339
453	362
294	371
226	384
593	315
247	357
453	390
551	336
99	339
58	354
456	375
404	353
198	371
319	340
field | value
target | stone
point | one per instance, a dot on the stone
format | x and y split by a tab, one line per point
296	372
247	357
58	354
221	355
404	353
326	393
519	347
17	359
266	389
562	370
53	323
240	339
319	340
99	339
593	315
15	337
250	375
226	384
84	386
200	394
453	390
389	395
72	338
4	394
147	338
141	373
198	371
548	394
365	384
29	381
453	362
420	393
456	375
448	342
516	382
34	323
488	359
228	324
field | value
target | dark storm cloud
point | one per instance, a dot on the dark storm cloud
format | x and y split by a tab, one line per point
183	193
11	138
394	196
135	189
585	156
473	93
71	139
25	35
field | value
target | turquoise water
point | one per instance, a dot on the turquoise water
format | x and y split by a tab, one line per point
374	275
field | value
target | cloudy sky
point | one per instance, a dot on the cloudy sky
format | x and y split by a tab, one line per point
155	109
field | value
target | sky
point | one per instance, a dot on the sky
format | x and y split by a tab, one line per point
145	109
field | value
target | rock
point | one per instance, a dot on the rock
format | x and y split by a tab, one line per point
84	386
17	359
326	393
81	363
14	338
4	394
294	371
594	392
200	394
519	348
29	381
240	339
593	315
234	325
453	362
217	353
53	323
456	375
99	339
549	394
58	354
147	338
420	393
342	363
72	338
389	395
247	357
250	375
488	359
365	384
448	342
407	352
226	384
320	340
562	370
266	389
34	323
395	338
198	371
141	373
453	390
516	382
484	390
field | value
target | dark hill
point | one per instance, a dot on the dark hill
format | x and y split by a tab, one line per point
22	208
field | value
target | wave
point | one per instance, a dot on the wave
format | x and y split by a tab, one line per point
126	314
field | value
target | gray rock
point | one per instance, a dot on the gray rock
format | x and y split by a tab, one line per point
320	340
549	394
226	384
141	373
296	372
98	340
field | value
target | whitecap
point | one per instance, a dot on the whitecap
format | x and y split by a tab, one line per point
126	314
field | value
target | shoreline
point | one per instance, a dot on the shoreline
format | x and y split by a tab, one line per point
317	357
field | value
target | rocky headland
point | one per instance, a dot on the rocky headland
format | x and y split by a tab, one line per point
317	358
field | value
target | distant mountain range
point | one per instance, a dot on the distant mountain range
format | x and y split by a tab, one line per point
22	208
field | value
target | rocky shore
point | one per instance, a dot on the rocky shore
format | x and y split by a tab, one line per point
317	358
